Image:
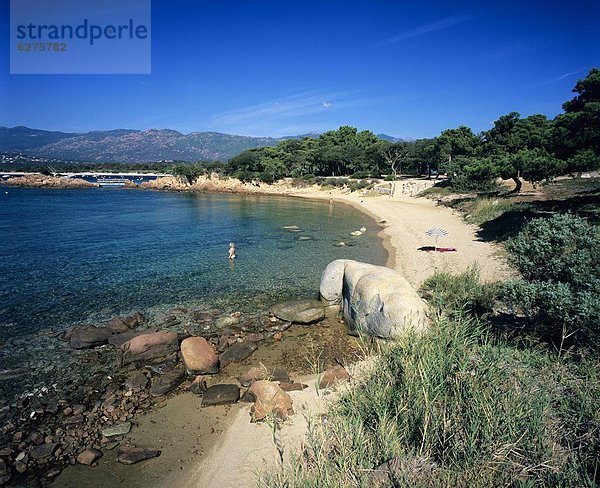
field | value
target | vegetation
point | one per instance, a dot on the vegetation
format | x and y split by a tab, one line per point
534	148
458	407
560	290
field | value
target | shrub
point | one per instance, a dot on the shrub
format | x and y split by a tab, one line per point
454	294
561	290
361	174
560	248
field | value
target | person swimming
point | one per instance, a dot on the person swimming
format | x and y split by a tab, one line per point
232	251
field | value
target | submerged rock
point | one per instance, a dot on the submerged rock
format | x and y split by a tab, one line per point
118	325
198	356
227	321
221	395
133	455
90	336
299	311
136	381
43	450
162	366
149	346
118	340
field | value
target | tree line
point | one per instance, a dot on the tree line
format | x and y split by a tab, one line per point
534	148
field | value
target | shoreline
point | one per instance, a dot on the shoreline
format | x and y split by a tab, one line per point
404	219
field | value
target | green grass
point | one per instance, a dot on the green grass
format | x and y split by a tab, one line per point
485	209
458	407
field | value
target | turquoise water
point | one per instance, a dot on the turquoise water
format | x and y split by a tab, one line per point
70	256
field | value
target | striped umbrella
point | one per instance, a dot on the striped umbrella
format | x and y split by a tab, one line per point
436	232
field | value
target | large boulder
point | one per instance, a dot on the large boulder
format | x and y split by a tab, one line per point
299	311
149	346
376	300
87	337
269	399
330	290
198	356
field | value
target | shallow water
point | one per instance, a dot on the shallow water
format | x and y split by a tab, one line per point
70	256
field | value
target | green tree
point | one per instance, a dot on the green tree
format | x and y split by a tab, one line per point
577	131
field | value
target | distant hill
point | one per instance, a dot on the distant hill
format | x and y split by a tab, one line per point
132	146
388	138
126	145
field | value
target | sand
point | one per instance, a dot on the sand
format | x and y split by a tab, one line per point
406	218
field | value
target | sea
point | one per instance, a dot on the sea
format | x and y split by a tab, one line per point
84	256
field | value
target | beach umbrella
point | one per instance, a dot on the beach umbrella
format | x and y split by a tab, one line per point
436	232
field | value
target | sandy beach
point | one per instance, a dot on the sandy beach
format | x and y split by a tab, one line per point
220	446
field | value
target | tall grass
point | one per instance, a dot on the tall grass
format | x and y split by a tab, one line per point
455	407
484	209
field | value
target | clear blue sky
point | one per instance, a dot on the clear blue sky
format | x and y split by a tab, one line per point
289	67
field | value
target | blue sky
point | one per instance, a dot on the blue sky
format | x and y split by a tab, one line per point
287	67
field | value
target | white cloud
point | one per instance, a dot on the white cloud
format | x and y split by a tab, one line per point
427	28
304	112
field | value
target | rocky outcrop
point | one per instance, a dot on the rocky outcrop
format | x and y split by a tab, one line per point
299	311
376	300
43	181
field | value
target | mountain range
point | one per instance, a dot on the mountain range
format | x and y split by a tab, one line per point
133	146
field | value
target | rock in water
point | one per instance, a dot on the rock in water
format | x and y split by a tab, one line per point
337	374
149	346
269	398
221	395
136	381
42	451
133	455
332	279
198	356
237	352
118	429
89	456
162	385
118	325
134	320
89	336
118	340
299	311
227	321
